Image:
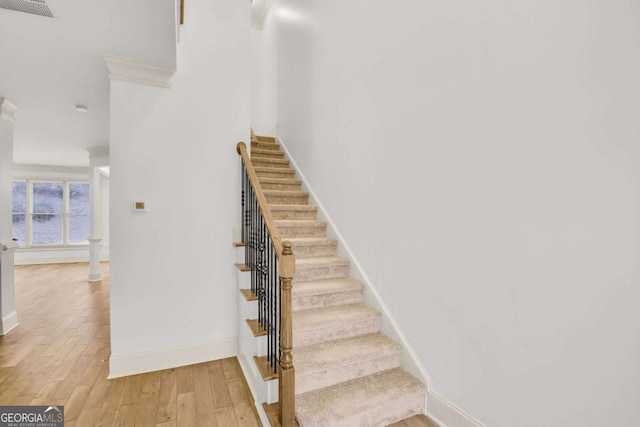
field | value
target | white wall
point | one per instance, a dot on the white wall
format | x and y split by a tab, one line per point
172	268
104	244
265	50
256	79
482	161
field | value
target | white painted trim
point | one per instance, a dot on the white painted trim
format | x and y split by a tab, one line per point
52	260
446	414
58	260
9	323
121	365
8	110
134	71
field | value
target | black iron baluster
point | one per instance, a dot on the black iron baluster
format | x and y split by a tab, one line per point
262	259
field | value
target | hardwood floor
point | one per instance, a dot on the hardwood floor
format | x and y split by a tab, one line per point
59	355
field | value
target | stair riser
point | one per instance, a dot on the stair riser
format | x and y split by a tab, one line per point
311	381
307	273
293	214
293	186
336	331
326	300
268	139
265	146
319	250
303	231
394	411
284	173
288	199
269	163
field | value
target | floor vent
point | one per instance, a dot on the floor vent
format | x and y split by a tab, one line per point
32	7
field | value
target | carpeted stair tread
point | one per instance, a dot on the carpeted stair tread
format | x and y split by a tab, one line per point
265	172
373	401
260	145
293	212
330	363
296	223
333	323
285	183
294	197
318	287
279	181
269	162
300	228
307	247
319	268
324	293
265	138
256	152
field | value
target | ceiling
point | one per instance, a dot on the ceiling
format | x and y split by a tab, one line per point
47	65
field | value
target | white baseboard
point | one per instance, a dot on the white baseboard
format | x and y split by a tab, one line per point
9	322
51	260
121	365
446	414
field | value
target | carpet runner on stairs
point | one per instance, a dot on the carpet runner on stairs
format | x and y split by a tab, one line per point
347	373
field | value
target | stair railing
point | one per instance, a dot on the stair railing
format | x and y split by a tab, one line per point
272	265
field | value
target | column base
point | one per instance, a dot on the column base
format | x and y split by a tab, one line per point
95	277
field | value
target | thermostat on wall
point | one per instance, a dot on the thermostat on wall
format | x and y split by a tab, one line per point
139	206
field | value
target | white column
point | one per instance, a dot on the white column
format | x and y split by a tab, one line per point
8	315
98	156
95	226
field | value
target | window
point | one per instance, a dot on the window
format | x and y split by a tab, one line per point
52	213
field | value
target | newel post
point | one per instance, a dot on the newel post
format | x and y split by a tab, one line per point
287	373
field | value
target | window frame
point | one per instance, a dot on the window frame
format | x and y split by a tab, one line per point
66	183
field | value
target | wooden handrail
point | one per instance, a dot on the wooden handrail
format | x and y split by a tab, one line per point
262	200
287	266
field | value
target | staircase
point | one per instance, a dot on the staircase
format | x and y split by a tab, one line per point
346	372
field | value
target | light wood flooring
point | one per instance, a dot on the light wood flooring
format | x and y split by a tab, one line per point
59	356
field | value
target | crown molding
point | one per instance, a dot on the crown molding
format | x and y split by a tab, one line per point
7	109
139	72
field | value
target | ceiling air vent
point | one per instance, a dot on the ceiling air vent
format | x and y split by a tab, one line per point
32	7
